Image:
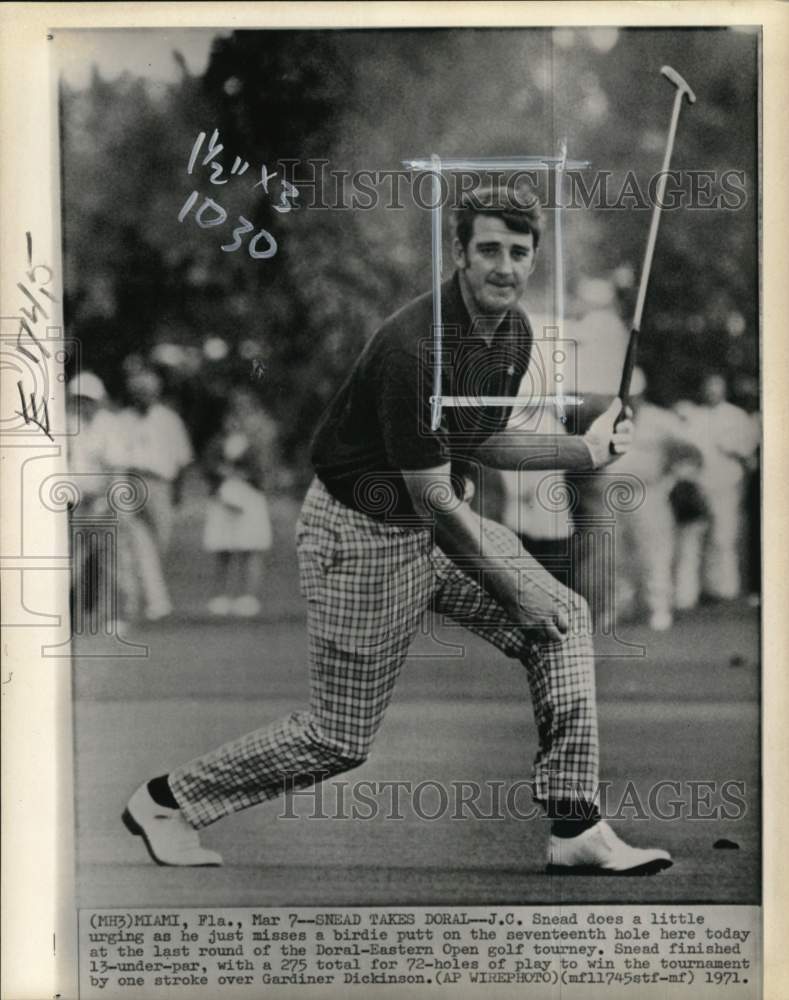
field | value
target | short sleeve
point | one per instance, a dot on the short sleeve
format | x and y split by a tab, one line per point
118	436
404	412
744	438
182	446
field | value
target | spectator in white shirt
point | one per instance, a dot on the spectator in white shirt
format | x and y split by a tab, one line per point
96	458
92	432
662	454
728	438
159	450
545	532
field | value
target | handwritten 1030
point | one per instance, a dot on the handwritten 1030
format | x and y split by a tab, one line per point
210	213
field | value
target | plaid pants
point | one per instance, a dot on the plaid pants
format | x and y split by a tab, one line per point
367	585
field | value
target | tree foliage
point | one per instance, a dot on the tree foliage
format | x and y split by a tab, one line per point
366	100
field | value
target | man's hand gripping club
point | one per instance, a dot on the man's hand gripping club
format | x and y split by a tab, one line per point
606	439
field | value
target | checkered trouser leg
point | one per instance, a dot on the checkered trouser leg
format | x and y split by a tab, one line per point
561	675
367	585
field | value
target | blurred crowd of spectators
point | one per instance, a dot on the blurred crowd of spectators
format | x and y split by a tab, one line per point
144	440
692	532
693	538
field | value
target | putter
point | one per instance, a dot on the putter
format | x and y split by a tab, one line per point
682	90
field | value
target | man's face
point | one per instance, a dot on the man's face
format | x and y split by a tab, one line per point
496	264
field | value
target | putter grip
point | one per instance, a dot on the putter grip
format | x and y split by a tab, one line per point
629	365
627	375
627	371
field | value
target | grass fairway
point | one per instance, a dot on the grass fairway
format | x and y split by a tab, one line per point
680	713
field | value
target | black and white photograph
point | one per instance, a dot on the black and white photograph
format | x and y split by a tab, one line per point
396	396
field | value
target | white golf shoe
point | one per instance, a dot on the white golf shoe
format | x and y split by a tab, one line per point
247	606
220	605
598	851
169	838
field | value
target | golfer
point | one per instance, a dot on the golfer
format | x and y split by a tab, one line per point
385	534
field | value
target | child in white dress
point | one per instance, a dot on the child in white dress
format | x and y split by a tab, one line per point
237	526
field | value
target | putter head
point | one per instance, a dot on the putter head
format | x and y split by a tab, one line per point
679	82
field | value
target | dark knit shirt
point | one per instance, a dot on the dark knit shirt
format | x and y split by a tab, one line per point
379	421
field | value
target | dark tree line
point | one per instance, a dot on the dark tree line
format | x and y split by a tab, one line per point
364	100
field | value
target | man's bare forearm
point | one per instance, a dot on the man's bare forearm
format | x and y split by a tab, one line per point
520	450
459	534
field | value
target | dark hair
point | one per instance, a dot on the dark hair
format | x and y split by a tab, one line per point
518	206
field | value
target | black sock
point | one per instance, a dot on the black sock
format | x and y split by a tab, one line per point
566	828
159	790
570	818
